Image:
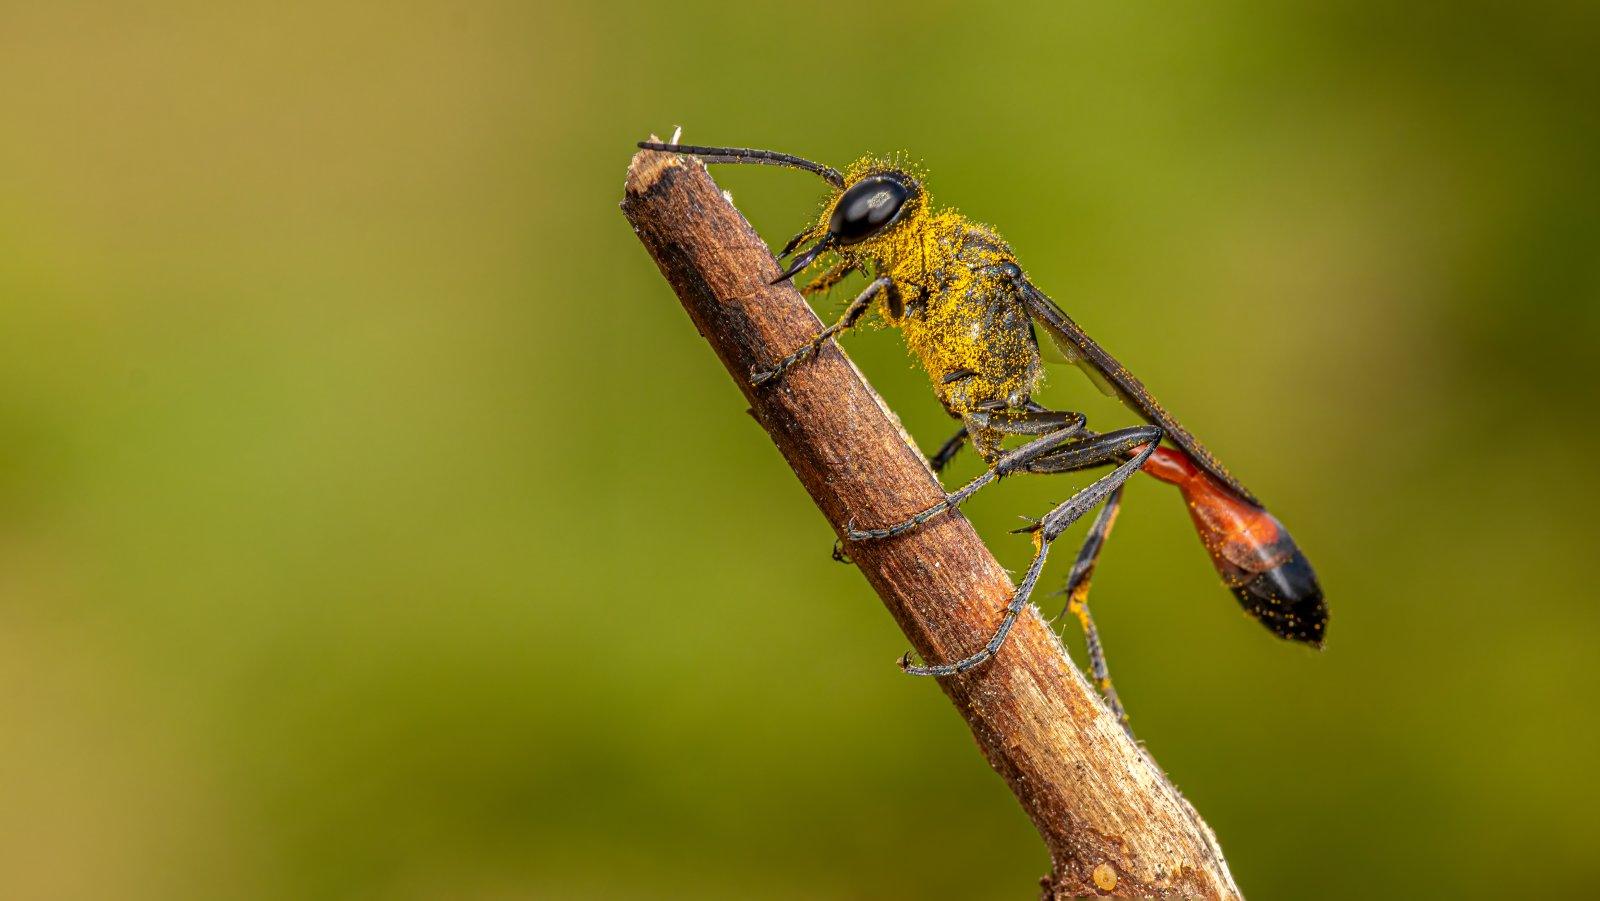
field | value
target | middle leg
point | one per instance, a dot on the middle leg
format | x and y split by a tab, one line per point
1044	532
953	445
1056	429
948	450
1063	450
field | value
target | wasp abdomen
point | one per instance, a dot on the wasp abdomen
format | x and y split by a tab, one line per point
1255	555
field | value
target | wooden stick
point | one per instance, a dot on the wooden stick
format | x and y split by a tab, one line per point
1114	825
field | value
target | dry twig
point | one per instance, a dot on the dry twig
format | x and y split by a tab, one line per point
1113	823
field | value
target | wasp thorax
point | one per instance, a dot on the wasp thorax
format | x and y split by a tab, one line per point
870	206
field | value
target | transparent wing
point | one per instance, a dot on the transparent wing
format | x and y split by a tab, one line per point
1056	349
1080	349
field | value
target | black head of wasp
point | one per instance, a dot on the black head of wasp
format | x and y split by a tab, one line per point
969	314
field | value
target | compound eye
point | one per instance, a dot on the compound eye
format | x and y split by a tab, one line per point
867	208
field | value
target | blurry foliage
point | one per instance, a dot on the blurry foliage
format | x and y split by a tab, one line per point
373	524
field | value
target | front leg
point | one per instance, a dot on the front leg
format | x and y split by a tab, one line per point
880	286
827	280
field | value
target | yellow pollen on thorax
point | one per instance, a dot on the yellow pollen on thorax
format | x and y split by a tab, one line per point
953	330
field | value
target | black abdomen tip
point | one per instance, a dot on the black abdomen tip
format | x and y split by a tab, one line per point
1288	600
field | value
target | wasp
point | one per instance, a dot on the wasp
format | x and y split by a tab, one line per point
971	317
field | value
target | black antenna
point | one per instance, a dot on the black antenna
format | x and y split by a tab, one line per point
744	155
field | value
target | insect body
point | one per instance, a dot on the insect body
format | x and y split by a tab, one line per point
970	314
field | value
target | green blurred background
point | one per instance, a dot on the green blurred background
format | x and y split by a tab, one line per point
374	524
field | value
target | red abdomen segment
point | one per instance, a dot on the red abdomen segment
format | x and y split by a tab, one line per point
1253	552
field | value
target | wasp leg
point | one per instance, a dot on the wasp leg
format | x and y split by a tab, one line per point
1074	457
948	450
1043	455
795	242
852	313
939	461
1077	592
1056	428
828	279
1096	450
1044	532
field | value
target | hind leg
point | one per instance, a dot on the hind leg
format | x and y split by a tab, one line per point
1077	592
